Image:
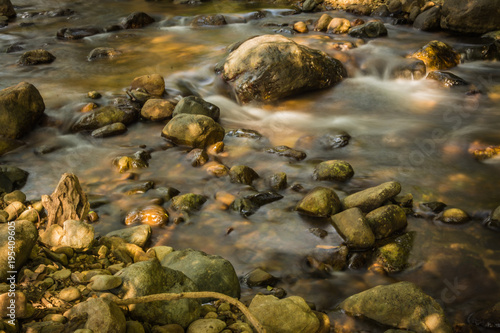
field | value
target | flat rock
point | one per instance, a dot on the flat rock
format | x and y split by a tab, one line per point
446	79
291	67
109	130
354	229
104	282
289	315
373	197
401	305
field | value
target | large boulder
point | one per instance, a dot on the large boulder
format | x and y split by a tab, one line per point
401	305
149	278
270	67
21	106
471	16
17	237
194	130
208	272
289	315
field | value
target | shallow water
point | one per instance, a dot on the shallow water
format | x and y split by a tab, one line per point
411	131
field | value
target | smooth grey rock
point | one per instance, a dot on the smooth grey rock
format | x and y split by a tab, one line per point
208	272
320	202
196	105
104	282
385	220
291	67
70	294
354	229
289	315
149	277
24	235
138	235
401	305
193	130
373	197
104	316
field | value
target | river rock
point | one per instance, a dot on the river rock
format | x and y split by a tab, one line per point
137	20
102	53
208	272
409	69
149	278
386	220
153	84
320	202
14	196
138	235
428	20
77	33
437	55
339	26
300	27
103	315
470	16
286	151
393	257
193	130
208	20
74	233
150	215
103	116
196	105
104	282
14	210
109	130
402	305
289	315
21	309
354	229
138	160
336	170
323	22
36	57
6	9
373	197
70	294
454	216
293	69
188	202
21	106
369	30
206	326
446	79
278	181
242	174
260	278
24	234
157	109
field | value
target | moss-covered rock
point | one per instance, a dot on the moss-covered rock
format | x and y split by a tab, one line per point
188	202
385	220
103	116
373	197
437	55
393	256
454	216
36	57
333	170
242	174
197	105
353	228
402	305
320	202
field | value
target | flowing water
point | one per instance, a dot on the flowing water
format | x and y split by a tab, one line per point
411	131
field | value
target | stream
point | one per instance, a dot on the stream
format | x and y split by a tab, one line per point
411	131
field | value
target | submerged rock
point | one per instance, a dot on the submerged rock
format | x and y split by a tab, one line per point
470	16
77	33
36	57
149	278
410	69
336	170
102	53
489	317
25	235
193	130
287	152
319	202
137	20
402	305
446	79
437	55
354	229
208	20
285	68
109	130
196	105
138	160
151	215
208	272
21	107
289	315
373	197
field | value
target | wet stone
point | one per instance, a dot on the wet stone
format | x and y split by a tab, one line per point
193	130
208	20
488	317
260	278
447	79
335	170
278	181
354	229
197	105
410	69
386	220
369	30
197	157
137	20
109	130
323	22
393	257
437	56
300	27
242	174
155	109
36	57
339	26
454	216
188	202
371	198
77	33
153	215
138	160
319	202
103	53
286	151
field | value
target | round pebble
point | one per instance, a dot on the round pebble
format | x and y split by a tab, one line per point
454	216
70	294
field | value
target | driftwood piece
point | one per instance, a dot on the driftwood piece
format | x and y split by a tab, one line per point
68	202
